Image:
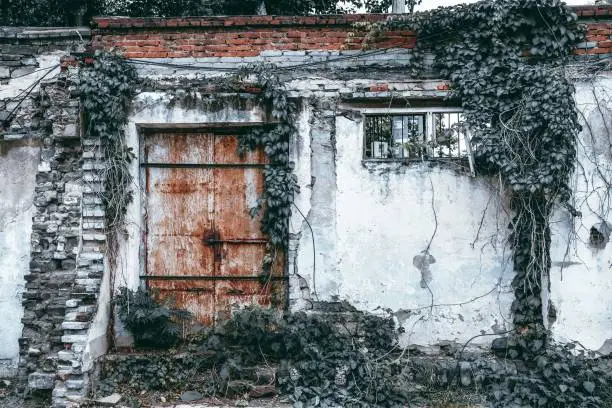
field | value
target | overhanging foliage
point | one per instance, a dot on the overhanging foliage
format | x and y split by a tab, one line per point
75	12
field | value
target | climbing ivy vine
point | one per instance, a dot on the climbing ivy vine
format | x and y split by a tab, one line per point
506	62
280	183
107	89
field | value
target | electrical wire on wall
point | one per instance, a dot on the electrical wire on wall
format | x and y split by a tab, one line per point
314	254
25	93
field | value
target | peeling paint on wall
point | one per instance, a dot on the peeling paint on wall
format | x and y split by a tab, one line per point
17	170
581	273
371	224
422	262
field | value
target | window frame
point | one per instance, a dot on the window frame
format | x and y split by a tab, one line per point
428	112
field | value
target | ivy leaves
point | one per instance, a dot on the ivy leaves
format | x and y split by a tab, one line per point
280	184
107	90
280	188
331	360
505	60
558	376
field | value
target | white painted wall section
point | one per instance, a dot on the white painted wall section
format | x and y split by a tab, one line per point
581	275
387	215
18	165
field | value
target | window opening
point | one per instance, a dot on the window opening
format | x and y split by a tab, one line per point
394	136
450	136
423	135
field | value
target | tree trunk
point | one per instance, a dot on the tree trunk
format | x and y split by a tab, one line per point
261	9
399	6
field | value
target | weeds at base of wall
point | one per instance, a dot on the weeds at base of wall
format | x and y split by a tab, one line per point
153	324
352	359
12	396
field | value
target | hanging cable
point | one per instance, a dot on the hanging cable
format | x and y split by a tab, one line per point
314	255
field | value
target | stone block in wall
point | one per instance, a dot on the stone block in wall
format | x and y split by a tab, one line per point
23	71
29	61
18	49
66	131
41	381
74	338
10	57
11	63
75	325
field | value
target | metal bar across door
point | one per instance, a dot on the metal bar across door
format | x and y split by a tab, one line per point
201	245
199	277
204	165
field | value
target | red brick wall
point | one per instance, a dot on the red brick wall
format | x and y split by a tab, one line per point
598	39
247	36
239	36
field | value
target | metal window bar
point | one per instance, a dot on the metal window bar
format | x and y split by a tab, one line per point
450	138
448	123
394	136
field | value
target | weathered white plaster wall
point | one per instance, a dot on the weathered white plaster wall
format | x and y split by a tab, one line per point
372	223
18	164
383	217
301	239
19	159
581	275
369	224
97	335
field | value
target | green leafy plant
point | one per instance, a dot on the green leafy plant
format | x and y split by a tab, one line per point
280	184
107	86
560	375
344	359
152	324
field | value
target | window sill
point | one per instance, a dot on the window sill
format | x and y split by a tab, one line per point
458	164
418	160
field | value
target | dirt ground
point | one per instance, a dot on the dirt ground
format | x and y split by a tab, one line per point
10	397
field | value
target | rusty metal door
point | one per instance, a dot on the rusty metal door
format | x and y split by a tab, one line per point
201	246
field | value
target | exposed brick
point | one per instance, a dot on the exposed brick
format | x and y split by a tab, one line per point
250	36
379	88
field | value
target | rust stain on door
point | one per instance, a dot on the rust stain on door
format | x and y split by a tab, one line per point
201	245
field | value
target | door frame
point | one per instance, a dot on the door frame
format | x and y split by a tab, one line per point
216	128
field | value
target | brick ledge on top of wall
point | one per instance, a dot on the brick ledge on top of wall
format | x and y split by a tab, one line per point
44	33
234	37
593	11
